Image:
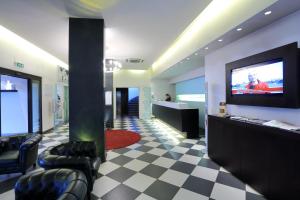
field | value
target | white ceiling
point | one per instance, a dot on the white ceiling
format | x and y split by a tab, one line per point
279	9
134	28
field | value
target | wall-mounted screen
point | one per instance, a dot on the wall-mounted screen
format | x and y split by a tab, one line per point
270	78
262	78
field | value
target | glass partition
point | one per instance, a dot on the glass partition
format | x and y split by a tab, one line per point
14	105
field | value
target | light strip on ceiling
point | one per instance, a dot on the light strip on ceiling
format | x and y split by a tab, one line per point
212	16
21	43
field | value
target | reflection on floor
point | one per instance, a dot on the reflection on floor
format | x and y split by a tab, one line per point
162	165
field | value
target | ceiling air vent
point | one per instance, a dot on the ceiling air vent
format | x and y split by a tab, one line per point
134	60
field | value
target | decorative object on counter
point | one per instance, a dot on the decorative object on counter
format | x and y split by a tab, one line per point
222	109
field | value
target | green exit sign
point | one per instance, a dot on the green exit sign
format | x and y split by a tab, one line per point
19	65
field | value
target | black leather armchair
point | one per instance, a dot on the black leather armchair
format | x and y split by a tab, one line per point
61	184
19	154
73	155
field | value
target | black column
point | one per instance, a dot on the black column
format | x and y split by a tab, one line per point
86	81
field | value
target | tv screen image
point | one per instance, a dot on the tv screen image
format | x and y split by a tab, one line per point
263	78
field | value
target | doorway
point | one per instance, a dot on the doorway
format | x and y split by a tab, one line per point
127	102
61	107
20	103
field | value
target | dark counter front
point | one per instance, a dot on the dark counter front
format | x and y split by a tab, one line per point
264	157
184	120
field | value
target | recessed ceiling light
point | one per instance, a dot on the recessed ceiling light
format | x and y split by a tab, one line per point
268	12
206	48
196	54
187	58
220	40
239	29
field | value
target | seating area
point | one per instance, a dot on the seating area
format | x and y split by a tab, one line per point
69	168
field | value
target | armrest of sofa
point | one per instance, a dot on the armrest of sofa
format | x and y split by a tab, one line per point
57	161
28	151
80	148
29	143
52	161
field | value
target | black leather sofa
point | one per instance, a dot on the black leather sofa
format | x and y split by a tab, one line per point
73	155
19	153
61	184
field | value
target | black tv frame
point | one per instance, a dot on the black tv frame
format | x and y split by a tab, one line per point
290	55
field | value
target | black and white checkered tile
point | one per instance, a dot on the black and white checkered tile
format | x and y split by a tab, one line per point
162	165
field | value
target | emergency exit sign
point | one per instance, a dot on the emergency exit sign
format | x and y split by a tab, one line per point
19	65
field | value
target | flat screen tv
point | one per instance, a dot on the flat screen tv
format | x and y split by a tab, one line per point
262	78
270	78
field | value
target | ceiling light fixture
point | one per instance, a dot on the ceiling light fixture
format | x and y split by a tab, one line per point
268	12
206	48
20	43
239	29
196	54
111	65
220	40
188	58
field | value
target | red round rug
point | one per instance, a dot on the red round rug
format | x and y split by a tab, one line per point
116	139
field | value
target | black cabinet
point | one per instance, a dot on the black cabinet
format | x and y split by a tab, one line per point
266	158
255	150
231	151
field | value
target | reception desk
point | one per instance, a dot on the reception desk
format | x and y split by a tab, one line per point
178	115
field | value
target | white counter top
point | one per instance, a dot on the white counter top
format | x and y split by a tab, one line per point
169	104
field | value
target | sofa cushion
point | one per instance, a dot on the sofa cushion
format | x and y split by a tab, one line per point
9	157
61	184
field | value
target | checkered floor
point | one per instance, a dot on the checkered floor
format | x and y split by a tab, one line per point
162	165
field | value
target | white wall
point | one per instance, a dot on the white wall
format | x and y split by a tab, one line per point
131	78
161	87
284	31
35	65
189	75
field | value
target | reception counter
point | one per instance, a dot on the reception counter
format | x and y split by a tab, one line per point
179	116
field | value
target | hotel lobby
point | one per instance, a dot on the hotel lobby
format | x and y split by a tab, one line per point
149	100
